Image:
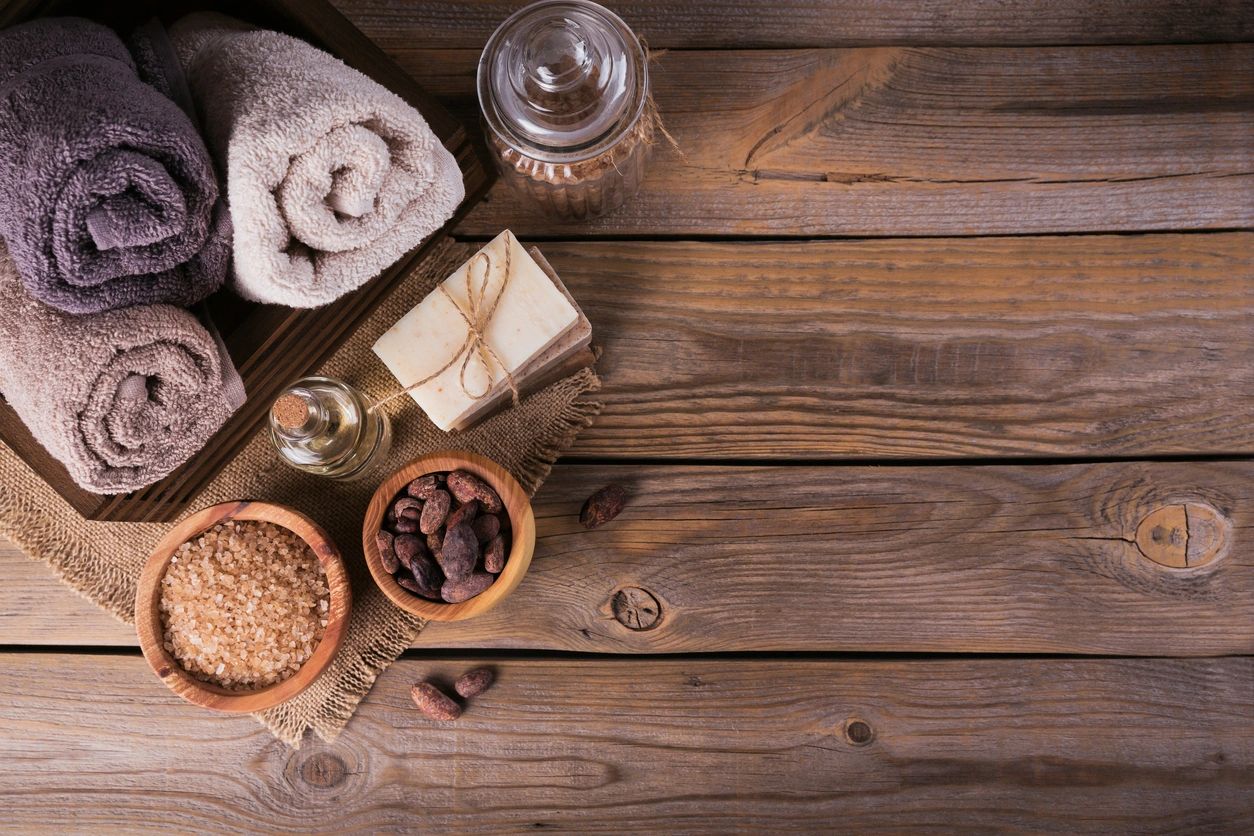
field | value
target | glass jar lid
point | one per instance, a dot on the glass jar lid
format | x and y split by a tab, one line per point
561	76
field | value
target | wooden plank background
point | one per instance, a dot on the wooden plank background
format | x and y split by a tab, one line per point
1007	559
656	746
924	141
938	304
731	24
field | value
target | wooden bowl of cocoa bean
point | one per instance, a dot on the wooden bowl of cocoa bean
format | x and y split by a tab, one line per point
449	535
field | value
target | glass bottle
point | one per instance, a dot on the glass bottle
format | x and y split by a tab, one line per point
564	90
325	427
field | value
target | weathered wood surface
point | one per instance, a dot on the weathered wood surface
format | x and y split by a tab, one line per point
1073	346
949	559
654	745
895	141
712	24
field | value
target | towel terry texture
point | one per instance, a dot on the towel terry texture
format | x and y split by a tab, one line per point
330	176
108	196
121	398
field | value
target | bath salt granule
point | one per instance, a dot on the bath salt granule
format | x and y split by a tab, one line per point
243	648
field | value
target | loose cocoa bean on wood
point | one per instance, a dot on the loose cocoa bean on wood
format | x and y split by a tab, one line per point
603	506
456	591
387	553
494	555
460	552
463	514
466	486
434	703
435	512
473	683
486	526
423	487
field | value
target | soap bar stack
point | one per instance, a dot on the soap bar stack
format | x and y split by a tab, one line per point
536	334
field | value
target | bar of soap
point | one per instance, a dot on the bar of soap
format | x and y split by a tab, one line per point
531	316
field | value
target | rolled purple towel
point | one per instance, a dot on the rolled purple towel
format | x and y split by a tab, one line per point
108	196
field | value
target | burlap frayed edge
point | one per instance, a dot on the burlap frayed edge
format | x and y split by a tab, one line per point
572	420
38	531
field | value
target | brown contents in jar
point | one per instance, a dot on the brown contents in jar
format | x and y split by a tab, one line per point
244	605
585	188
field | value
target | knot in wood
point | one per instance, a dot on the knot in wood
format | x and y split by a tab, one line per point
323	770
636	608
1183	535
858	732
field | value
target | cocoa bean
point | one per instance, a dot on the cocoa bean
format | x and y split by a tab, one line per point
410	585
405	526
408	548
603	506
389	517
466	486
435	512
387	554
407	508
435	541
434	703
486	526
423	487
494	555
473	683
460	552
463	514
456	591
428	575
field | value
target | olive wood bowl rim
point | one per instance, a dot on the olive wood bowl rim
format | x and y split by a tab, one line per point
148	622
522	527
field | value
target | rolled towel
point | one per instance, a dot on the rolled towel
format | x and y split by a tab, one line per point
330	176
108	196
121	398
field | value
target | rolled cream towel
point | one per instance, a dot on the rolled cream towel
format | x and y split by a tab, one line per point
330	177
121	398
108	196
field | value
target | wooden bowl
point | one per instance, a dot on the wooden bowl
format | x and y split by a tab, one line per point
522	525
148	623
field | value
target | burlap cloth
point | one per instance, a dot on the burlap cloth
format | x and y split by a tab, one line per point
102	561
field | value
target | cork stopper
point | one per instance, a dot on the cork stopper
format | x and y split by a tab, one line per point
290	411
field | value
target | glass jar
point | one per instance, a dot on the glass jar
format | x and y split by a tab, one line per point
324	426
564	89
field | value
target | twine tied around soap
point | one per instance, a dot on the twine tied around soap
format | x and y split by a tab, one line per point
477	319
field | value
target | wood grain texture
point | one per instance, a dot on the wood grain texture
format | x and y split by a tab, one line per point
895	141
697	745
1074	346
724	24
944	559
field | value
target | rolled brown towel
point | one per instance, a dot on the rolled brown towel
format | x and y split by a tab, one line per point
121	398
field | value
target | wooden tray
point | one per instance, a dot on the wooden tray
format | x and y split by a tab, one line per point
271	345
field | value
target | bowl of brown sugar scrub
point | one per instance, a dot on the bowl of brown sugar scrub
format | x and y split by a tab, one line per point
242	605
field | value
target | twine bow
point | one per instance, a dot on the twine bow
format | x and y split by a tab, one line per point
477	317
